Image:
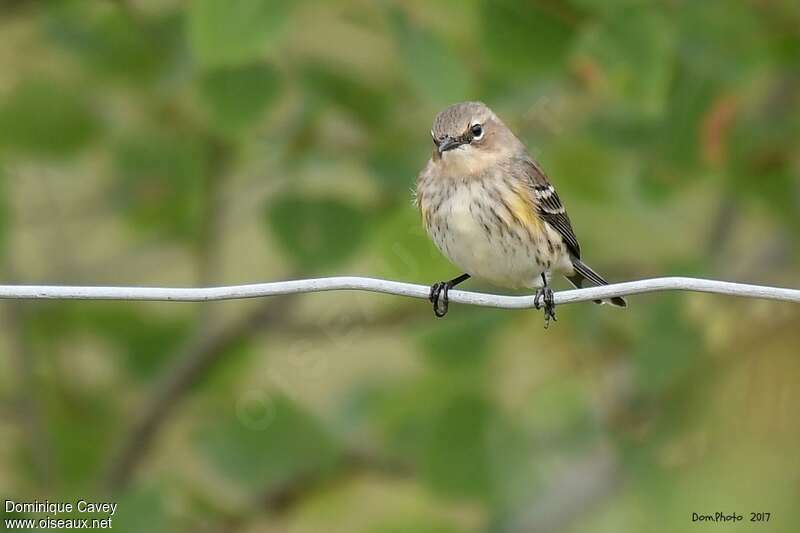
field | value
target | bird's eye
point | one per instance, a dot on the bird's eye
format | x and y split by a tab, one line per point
477	131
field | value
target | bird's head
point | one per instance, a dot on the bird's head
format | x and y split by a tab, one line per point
468	137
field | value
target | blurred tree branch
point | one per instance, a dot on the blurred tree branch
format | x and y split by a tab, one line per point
280	499
581	485
283	497
204	346
192	362
23	358
723	225
29	411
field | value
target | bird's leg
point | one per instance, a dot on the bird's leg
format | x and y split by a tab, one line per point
438	294
545	294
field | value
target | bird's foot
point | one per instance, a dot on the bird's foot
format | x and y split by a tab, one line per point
439	299
544	300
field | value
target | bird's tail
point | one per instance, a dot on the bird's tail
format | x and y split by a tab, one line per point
584	274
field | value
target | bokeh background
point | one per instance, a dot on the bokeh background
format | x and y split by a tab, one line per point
161	142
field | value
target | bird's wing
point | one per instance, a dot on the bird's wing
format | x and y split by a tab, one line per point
549	207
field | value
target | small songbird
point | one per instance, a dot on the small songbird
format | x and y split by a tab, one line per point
491	210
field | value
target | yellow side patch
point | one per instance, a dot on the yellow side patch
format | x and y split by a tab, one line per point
521	205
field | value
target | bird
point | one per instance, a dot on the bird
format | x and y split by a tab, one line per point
492	211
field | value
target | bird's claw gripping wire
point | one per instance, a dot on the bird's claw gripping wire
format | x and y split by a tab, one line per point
439	299
439	294
544	300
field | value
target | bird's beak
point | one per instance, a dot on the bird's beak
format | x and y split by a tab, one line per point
448	143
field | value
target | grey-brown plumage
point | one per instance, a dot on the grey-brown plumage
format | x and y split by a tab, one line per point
490	208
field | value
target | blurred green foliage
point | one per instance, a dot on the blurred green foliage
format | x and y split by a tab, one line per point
259	450
174	143
45	119
310	230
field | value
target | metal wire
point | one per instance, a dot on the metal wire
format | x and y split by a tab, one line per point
258	290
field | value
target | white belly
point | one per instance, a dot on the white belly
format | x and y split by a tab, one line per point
464	231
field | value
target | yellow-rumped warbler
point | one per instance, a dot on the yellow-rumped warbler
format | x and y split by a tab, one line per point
492	211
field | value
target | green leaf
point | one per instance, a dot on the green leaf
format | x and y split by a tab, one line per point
584	168
286	443
395	159
4	212
316	233
47	119
463	446
368	103
417	523
76	452
525	39
667	145
234	32
434	69
635	51
761	147
404	249
726	40
560	413
608	7
144	339
238	96
669	348
464	340
456	461
111	42
404	412
161	178
677	141
141	509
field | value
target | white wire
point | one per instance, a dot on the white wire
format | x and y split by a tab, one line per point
257	290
